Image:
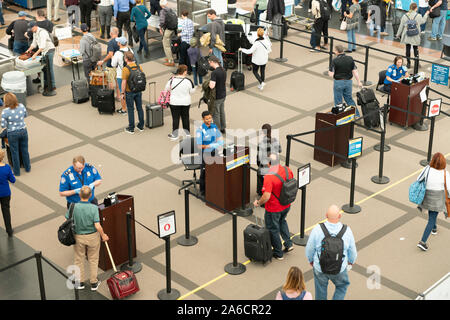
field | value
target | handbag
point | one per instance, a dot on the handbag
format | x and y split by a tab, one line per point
436	11
135	34
417	189
447	200
343	26
253	17
66	232
164	96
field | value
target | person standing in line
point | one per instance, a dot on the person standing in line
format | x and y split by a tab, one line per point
438	25
260	56
187	32
122	16
166	14
2	19
50	4
215	27
320	24
383	15
294	288
113	46
73	12
437	180
105	13
423	8
321	267
275	13
140	14
86	7
85	49
6	176
217	81
352	16
194	54
118	63
266	146
262	6
155	7
88	232
18	29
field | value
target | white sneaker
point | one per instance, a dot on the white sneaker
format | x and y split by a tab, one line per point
259	87
262	85
309	10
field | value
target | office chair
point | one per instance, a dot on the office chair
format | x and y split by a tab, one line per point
190	156
381	77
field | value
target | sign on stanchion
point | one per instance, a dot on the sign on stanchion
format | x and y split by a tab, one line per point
354	151
304	178
433	111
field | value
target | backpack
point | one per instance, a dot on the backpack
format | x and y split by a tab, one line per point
171	20
202	66
136	80
66	232
324	10
95	50
288	189
332	251
411	27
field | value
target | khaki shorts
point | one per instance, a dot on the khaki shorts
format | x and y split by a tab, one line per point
111	75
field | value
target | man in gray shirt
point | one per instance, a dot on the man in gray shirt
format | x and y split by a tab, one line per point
216	27
85	50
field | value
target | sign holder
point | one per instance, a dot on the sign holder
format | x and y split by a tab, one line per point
304	178
354	151
434	109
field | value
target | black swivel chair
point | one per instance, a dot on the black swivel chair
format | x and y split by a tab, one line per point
381	77
190	156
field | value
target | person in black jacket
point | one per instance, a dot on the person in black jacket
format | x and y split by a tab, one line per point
275	13
18	29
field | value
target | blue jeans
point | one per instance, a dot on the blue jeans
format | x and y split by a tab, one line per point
142	40
351	38
49	65
196	75
438	26
131	98
2	20
218	54
432	217
277	225
343	88
20	47
18	143
340	280
422	11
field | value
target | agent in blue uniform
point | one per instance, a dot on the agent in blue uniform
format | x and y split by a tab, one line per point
394	73
209	139
78	175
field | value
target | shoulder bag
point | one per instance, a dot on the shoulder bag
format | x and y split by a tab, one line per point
417	189
164	96
343	26
66	232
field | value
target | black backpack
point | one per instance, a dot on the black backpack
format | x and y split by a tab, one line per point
136	80
324	10
66	232
288	189
332	251
171	20
202	66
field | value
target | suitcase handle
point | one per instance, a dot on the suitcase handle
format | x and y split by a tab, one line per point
110	256
73	63
154	92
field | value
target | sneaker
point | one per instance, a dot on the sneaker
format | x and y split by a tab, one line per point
278	258
288	249
438	38
309	10
259	86
94	286
422	245
262	85
434	231
384	33
432	39
121	111
37	80
140	130
80	286
128	131
49	93
169	64
172	137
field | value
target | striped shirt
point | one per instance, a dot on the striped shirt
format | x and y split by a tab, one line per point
12	119
187	30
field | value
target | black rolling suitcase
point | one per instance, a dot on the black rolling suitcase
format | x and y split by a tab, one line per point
80	87
154	115
237	80
257	243
369	104
105	100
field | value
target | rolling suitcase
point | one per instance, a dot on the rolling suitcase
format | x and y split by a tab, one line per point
257	243
369	105
154	112
237	80
121	284
105	100
80	87
93	89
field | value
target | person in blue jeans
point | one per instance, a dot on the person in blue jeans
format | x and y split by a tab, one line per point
13	120
2	20
352	15
438	26
313	251
140	14
6	176
194	54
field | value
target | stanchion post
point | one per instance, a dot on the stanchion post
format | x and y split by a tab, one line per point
302	240
330	58
288	149
281	59
244	211
352	208
187	240
366	68
130	265
421	126
235	268
168	293
38	256
386	148
416	65
380	179
430	144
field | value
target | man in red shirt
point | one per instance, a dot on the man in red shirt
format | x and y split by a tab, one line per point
275	215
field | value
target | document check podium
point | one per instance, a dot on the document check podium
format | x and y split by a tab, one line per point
114	223
224	179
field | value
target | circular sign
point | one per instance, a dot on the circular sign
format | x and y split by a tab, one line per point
435	109
167	227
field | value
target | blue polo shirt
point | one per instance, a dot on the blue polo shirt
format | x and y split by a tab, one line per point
71	180
112	46
207	135
395	73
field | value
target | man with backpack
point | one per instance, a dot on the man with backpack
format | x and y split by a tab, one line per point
330	249
279	191
90	49
168	24
118	63
322	13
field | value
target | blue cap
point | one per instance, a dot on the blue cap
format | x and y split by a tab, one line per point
31	24
84	27
22	13
122	40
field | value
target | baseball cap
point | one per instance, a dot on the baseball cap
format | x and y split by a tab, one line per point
84	27
31	24
163	3
22	13
122	40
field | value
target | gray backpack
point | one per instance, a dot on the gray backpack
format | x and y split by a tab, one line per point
411	27
95	49
288	189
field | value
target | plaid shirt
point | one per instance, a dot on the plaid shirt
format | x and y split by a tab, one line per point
187	30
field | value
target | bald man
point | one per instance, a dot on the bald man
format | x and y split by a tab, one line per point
339	237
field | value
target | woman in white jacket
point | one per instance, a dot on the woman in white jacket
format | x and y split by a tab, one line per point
181	89
260	55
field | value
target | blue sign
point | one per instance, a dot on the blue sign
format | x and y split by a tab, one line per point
404	4
355	147
439	74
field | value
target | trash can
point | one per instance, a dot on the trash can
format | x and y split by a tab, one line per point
16	82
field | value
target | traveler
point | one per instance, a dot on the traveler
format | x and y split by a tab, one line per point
88	232
394	73
86	7
155	7
438	26
436	176
187	33
181	89
86	43
44	44
105	13
79	174
275	13
217	82
194	54
404	31
352	16
323	260
17	29
140	14
320	23
2	19
423	8
6	176
50	3
383	15
13	120
122	16
266	146
275	214
167	27
118	63
73	12
260	7
294	288
129	73
374	16
260	55
215	27
342	69
113	46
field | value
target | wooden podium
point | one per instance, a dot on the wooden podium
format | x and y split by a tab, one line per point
335	140
224	180
114	223
406	97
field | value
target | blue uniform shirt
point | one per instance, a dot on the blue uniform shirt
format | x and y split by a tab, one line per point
71	180
394	73
207	136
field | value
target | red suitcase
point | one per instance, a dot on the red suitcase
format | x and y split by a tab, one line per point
121	284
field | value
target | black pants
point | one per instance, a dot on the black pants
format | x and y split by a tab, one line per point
408	52
155	7
123	20
177	112
321	27
184	58
4	202
383	7
263	72
85	10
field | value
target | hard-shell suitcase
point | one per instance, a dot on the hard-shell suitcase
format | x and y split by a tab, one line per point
154	112
121	284
237	80
369	104
257	243
80	87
